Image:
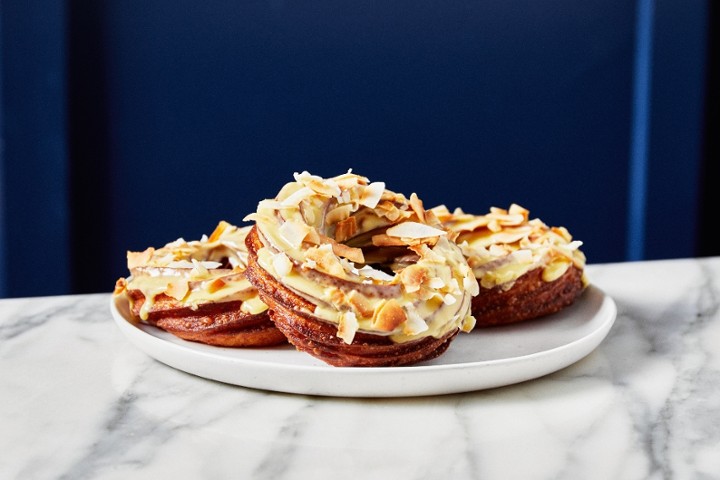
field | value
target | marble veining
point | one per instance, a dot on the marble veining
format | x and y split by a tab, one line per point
78	401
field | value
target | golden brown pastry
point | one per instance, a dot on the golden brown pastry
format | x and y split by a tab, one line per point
525	269
198	291
357	275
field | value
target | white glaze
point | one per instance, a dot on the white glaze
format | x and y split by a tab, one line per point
78	401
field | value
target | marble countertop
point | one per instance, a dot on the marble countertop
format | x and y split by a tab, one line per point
78	401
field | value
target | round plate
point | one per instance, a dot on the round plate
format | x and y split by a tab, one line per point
484	358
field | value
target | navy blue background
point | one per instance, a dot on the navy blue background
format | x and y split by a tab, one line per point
129	124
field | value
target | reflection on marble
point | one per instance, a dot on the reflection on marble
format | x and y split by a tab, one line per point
78	401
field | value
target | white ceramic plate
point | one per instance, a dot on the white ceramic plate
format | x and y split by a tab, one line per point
485	358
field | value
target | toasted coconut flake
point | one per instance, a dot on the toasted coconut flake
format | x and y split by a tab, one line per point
216	285
574	245
510	235
308	214
327	187
427	253
473	224
165	259
494	226
253	306
563	232
335	296
296	197
313	237
383	240
497	250
325	260
338	214
468	324
389	316
294	233
414	230
516	209
347	326
369	272
417	207
453	286
372	194
345	229
449	299
138	259
470	284
177	243
342	250
414	323
523	256
413	277
217	233
199	269
351	253
120	286
388	210
437	283
360	304
282	264
177	289
180	264
269	204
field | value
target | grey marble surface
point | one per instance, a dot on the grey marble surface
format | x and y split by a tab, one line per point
78	401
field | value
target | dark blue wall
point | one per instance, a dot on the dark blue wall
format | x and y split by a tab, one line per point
34	216
184	113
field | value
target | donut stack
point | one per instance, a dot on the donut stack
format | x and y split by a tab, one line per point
525	269
355	275
198	291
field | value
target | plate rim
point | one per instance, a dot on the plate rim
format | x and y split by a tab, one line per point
139	335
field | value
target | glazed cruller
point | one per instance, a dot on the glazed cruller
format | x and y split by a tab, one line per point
357	275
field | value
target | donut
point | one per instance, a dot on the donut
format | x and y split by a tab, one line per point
198	291
525	269
357	275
